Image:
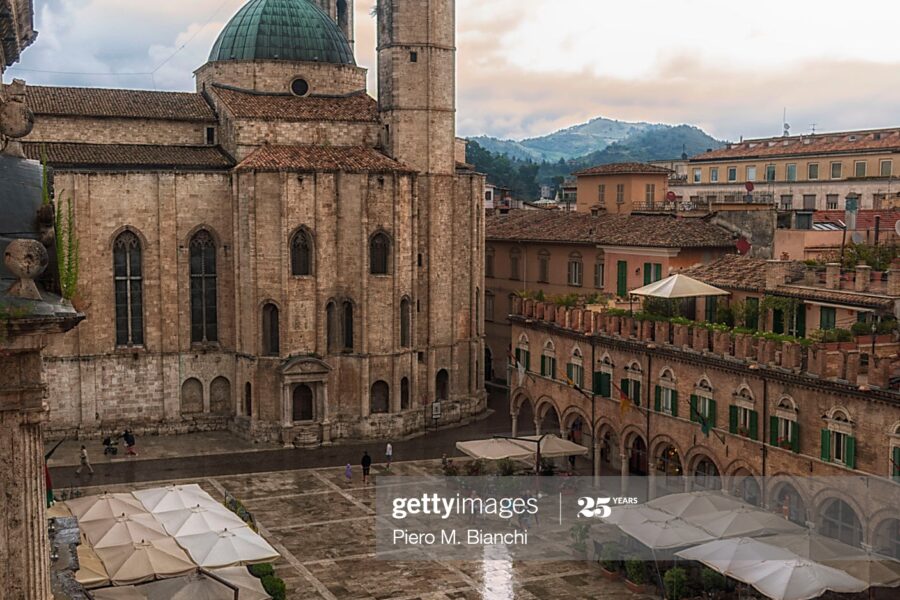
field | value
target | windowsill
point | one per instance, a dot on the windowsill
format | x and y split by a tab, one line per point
303	276
136	349
205	346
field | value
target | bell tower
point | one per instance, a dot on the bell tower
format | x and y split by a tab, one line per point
341	11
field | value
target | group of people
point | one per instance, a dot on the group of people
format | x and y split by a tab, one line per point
109	447
366	464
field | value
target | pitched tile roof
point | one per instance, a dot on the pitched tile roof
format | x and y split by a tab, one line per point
733	272
865	219
129	104
631	168
662	231
827	143
129	156
287	107
841	297
312	159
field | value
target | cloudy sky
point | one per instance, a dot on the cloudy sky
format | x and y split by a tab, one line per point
529	67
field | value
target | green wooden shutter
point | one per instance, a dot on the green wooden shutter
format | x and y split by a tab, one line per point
754	425
773	431
712	414
657	272
626	387
851	453
695	409
528	360
826	445
674	403
622	279
896	466
636	393
552	367
648	273
606	385
597	384
658	405
795	437
732	419
570	372
518	355
543	365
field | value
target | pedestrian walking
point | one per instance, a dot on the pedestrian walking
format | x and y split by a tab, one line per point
366	464
348	473
130	442
85	462
389	454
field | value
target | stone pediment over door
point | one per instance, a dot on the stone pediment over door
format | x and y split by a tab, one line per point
305	367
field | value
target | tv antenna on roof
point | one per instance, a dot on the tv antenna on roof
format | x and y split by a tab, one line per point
787	127
812	128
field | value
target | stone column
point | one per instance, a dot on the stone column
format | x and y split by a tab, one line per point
537	426
624	473
515	424
598	460
651	481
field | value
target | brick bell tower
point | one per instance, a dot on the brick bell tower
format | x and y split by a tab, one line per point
342	13
417	101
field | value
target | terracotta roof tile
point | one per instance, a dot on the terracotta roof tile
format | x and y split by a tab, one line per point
111	156
661	231
865	219
353	159
828	143
287	107
733	272
129	104
632	168
836	297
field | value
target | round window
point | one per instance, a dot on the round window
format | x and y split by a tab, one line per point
300	87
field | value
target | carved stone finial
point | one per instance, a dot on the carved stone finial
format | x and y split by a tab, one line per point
26	259
16	119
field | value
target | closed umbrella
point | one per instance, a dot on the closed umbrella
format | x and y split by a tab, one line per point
251	588
743	522
725	556
199	519
128	592
175	497
91	572
667	535
123	530
695	504
145	561
797	579
104	506
227	548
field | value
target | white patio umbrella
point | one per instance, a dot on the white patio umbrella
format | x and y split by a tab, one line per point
667	535
104	506
128	592
797	579
251	587
678	286
197	586
693	504
725	556
123	530
641	513
743	522
494	449
552	446
200	519
145	561
91	572
175	497
227	548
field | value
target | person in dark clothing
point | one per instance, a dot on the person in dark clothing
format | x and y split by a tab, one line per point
128	437
366	465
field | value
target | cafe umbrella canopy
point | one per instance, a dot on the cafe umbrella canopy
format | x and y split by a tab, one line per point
676	287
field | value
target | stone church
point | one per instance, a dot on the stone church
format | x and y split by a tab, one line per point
277	253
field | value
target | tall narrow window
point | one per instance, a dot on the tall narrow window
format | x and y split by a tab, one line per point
204	319
514	256
128	275
348	326
301	254
576	270
333	327
404	323
489	262
379	254
543	266
442	385
271	343
404	394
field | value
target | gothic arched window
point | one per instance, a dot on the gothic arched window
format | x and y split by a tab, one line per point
348	326
332	327
204	319
379	254
128	276
271	338
301	254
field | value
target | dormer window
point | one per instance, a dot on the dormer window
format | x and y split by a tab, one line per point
210	136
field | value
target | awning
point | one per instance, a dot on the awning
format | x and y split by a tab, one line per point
678	286
523	448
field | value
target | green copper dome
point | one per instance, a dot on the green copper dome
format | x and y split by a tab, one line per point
296	30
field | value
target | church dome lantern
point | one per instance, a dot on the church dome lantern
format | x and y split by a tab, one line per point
282	30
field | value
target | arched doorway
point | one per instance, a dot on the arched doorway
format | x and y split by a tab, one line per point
303	403
576	430
706	475
637	456
789	504
488	364
525	418
442	385
610	457
746	487
380	398
669	470
840	522
550	420
220	402
191	397
887	538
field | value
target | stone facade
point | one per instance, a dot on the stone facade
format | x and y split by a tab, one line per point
416	326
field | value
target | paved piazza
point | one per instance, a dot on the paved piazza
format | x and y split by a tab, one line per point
324	528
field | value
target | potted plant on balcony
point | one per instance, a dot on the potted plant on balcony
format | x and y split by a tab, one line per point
675	581
785	444
636	575
743	431
610	561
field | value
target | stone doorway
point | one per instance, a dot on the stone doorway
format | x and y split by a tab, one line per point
303	403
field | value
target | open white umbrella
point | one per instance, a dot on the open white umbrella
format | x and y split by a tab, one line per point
551	446
743	522
678	286
494	449
104	506
725	556
797	579
695	504
251	587
227	548
145	561
123	530
175	497
91	572
667	535
190	521
128	592
197	586
641	513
